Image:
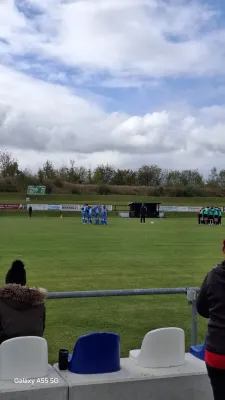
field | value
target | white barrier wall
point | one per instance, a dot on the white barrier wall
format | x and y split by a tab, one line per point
183	209
60	207
78	207
188	382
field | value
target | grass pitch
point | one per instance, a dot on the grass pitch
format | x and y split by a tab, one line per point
63	255
120	200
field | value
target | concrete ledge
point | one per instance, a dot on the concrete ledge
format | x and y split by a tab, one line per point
132	382
53	388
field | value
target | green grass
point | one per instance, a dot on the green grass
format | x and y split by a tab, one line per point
63	255
112	199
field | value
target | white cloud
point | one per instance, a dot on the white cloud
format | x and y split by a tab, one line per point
129	36
132	37
126	42
49	119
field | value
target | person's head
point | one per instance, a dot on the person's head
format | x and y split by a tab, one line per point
16	274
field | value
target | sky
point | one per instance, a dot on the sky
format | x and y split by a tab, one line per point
124	82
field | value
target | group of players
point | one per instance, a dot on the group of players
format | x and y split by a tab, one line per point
97	213
210	216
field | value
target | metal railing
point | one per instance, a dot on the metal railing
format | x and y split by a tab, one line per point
191	294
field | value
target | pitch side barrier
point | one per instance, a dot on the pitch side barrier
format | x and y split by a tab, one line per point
191	294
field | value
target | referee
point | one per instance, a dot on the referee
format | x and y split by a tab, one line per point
143	213
30	211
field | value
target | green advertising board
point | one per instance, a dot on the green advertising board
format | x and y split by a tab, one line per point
36	190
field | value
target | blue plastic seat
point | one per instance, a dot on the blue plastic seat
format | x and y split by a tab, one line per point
96	353
198	351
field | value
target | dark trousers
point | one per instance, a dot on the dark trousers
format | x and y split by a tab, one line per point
199	219
143	218
30	214
217	379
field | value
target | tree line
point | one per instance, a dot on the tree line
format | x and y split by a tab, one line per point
147	175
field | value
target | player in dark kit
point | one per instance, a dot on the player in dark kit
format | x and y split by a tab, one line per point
30	211
143	212
200	213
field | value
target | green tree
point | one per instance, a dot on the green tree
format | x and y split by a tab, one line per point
126	177
104	174
73	175
213	178
149	175
41	175
48	170
173	178
82	172
191	178
63	173
89	176
221	178
8	165
119	177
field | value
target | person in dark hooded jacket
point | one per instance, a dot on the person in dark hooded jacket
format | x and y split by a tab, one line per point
211	305
143	213
22	309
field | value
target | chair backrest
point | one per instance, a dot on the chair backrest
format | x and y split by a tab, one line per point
96	353
198	351
23	357
163	348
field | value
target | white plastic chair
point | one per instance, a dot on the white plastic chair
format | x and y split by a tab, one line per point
161	348
23	357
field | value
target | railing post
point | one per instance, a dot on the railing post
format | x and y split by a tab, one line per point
192	297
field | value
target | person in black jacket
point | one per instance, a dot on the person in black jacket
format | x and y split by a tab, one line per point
211	305
143	212
22	308
30	211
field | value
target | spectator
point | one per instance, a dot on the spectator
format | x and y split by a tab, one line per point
211	305
22	309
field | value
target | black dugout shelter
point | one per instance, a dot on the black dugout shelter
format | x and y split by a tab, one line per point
152	210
